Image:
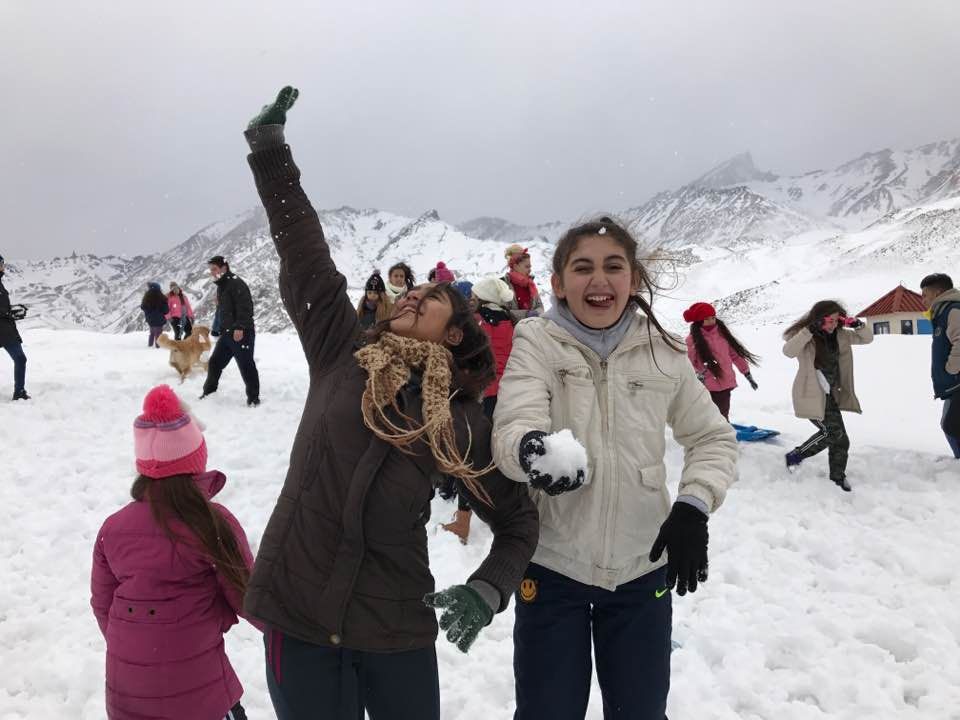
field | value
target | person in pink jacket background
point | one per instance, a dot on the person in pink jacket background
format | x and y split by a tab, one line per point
169	573
180	314
714	352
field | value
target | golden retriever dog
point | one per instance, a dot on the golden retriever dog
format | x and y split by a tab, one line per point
184	354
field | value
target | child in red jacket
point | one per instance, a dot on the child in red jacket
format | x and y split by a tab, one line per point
169	573
713	352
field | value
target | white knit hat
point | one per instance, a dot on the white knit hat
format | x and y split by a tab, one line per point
493	289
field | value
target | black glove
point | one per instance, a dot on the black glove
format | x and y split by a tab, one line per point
18	312
684	535
753	383
531	446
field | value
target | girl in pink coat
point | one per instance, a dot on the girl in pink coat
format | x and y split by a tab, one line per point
169	573
180	314
713	352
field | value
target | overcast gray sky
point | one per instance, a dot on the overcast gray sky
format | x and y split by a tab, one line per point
121	123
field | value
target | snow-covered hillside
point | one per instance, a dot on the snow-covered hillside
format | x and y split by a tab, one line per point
738	234
820	604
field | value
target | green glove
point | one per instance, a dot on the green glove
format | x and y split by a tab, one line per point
276	112
465	613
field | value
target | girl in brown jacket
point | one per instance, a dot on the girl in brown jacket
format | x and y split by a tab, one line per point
821	341
342	577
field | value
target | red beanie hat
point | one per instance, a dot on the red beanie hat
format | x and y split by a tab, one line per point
698	312
443	274
167	440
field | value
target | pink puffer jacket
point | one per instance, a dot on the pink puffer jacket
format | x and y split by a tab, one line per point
178	308
163	610
725	356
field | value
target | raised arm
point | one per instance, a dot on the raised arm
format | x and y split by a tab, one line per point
314	293
793	347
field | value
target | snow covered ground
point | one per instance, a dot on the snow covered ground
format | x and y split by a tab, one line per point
820	604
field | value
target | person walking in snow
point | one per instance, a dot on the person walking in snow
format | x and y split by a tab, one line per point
237	333
10	339
374	306
342	578
943	304
823	387
399	279
155	309
582	409
526	302
180	314
490	297
714	351
169	573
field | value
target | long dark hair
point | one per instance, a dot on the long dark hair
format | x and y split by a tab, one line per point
706	354
178	498
474	367
153	298
407	273
816	314
606	225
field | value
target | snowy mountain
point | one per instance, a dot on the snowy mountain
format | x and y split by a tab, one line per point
747	238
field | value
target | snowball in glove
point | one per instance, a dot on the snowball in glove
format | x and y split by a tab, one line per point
465	613
555	463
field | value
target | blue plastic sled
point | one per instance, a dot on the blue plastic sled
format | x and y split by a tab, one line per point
751	433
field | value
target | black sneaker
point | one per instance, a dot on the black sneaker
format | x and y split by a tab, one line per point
793	459
843	484
253	403
21	395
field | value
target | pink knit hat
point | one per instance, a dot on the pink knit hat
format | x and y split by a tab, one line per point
166	439
443	274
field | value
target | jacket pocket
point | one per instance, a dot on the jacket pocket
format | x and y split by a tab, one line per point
642	506
641	403
573	402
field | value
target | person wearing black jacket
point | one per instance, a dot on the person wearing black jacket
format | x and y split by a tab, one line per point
235	310
10	339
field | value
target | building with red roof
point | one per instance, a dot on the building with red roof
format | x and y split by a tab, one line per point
899	312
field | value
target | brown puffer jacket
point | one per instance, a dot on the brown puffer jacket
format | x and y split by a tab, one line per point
343	560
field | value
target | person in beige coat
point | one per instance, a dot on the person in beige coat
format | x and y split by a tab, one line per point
821	342
588	393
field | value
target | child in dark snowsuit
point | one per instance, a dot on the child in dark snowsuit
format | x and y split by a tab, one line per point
155	309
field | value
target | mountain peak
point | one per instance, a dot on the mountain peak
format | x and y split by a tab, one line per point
738	170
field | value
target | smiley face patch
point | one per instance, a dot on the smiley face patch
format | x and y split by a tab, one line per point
528	590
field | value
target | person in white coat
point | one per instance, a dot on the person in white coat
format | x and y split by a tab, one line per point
596	368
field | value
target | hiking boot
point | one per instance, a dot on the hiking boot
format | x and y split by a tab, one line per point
793	459
460	525
842	484
253	403
20	395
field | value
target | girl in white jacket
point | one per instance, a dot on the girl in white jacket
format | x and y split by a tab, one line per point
594	366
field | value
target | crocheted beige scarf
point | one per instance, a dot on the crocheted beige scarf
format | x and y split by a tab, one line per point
388	363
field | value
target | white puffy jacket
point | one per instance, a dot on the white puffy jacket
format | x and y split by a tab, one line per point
601	534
